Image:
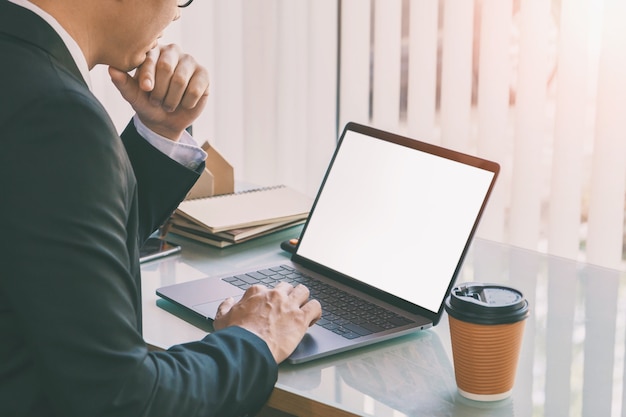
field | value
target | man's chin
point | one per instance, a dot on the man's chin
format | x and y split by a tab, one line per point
136	63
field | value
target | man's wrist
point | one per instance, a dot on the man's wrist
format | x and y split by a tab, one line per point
185	151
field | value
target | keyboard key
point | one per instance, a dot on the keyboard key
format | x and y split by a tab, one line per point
256	275
330	326
322	322
361	331
399	321
372	327
247	278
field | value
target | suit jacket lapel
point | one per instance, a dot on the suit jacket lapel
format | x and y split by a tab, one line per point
22	24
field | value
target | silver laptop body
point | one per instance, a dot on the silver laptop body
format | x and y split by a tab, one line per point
391	224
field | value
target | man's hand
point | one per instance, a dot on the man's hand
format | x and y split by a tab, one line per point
168	90
279	316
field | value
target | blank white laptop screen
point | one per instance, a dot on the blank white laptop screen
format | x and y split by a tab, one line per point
424	207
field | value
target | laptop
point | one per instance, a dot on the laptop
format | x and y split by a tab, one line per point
386	237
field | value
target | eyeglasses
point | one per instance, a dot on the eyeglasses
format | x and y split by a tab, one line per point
184	3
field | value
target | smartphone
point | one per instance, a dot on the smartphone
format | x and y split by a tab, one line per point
155	248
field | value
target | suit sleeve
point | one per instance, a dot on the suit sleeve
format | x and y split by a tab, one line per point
162	182
69	288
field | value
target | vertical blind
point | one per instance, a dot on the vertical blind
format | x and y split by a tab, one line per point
537	85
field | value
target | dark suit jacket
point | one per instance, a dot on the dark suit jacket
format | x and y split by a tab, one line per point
76	201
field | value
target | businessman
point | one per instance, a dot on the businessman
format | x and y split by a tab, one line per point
76	202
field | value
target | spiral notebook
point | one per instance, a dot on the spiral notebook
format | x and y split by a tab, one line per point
277	204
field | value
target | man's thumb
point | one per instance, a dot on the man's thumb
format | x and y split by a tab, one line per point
124	83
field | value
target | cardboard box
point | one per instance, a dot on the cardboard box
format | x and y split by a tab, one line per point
217	178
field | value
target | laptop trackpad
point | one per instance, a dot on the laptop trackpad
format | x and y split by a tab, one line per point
212	292
202	295
209	310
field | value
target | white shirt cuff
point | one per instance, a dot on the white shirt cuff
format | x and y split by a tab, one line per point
186	151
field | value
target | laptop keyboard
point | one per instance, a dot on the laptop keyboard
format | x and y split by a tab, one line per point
342	313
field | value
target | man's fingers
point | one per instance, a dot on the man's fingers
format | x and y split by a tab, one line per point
146	72
178	80
253	290
164	68
300	293
312	311
178	84
197	90
224	307
125	84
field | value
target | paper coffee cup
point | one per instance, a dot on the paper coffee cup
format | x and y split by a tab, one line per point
486	329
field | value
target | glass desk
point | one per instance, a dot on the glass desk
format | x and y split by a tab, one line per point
571	364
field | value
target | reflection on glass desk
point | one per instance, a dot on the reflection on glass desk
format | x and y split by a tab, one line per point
571	363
